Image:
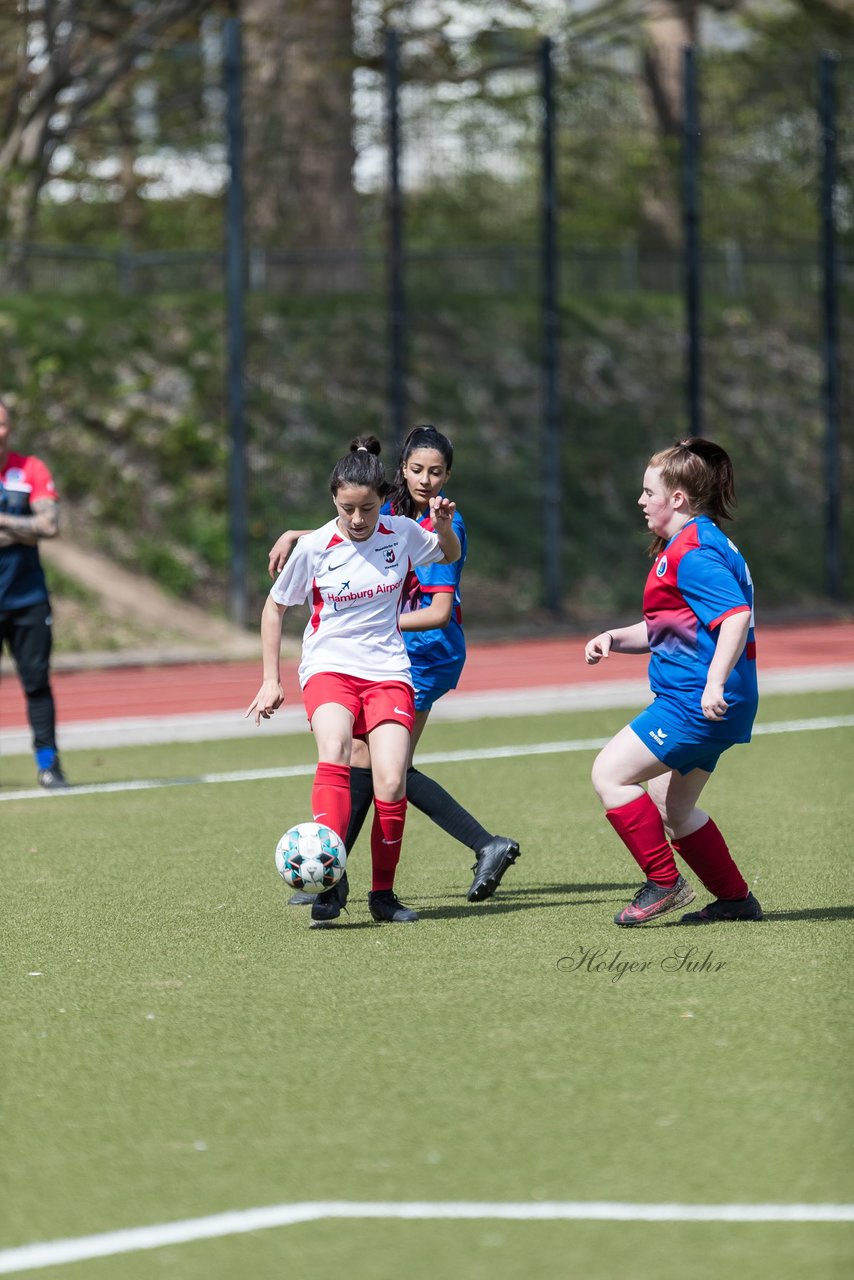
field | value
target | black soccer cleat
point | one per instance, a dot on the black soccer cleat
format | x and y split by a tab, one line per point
384	905
53	779
329	904
492	861
723	909
653	900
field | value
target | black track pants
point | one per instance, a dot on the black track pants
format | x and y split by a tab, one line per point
28	635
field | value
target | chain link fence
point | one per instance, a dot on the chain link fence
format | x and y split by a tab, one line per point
359	333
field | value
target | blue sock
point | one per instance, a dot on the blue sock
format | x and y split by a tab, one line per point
45	757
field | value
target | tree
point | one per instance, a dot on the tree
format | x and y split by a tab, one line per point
300	61
63	58
298	123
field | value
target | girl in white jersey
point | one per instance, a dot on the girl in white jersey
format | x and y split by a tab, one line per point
434	638
354	672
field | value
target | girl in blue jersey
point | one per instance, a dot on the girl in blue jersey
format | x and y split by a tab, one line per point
435	642
698	628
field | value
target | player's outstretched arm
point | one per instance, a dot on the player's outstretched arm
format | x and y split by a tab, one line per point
271	695
633	639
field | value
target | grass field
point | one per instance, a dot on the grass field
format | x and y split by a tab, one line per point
179	1043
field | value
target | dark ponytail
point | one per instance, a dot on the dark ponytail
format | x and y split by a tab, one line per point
360	468
425	436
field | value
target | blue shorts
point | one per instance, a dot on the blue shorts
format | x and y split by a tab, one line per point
432	682
679	740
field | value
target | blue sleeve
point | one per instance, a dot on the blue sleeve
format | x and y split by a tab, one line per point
709	585
446	575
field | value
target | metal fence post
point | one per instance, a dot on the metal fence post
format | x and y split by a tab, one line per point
830	329
125	263
395	249
691	239
235	334
552	469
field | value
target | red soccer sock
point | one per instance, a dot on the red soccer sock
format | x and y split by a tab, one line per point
330	797
386	839
639	826
708	856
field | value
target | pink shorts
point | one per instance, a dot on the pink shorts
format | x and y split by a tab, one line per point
371	702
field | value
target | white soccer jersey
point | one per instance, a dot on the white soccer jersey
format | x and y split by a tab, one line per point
354	590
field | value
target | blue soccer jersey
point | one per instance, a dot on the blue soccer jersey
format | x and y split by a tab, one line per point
438	655
698	580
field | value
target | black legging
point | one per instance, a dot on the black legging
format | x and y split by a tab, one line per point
29	636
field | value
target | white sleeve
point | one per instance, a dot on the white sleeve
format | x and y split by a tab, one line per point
423	546
294	582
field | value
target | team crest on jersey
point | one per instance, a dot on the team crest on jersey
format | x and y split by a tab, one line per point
389	555
661	567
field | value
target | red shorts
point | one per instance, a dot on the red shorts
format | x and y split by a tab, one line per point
371	702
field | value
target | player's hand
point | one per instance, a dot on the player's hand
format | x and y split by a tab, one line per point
266	700
280	552
713	703
598	648
442	511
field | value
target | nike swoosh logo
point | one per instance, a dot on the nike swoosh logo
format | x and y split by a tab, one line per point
391	841
333	567
399	711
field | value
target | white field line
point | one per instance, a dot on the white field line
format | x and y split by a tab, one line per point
207	726
56	1252
427	757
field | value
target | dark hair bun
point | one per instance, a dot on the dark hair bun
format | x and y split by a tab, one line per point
369	443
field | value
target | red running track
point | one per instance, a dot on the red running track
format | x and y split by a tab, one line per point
119	692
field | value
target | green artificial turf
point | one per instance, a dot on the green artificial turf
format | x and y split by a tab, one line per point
178	1042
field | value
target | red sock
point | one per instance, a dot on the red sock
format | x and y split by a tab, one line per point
639	826
386	839
708	856
330	797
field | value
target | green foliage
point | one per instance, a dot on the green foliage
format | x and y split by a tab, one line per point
798	26
68	588
160	562
191	223
125	399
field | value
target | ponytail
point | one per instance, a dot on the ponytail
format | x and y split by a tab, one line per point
703	471
360	468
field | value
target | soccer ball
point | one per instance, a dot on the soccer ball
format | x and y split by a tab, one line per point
311	857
